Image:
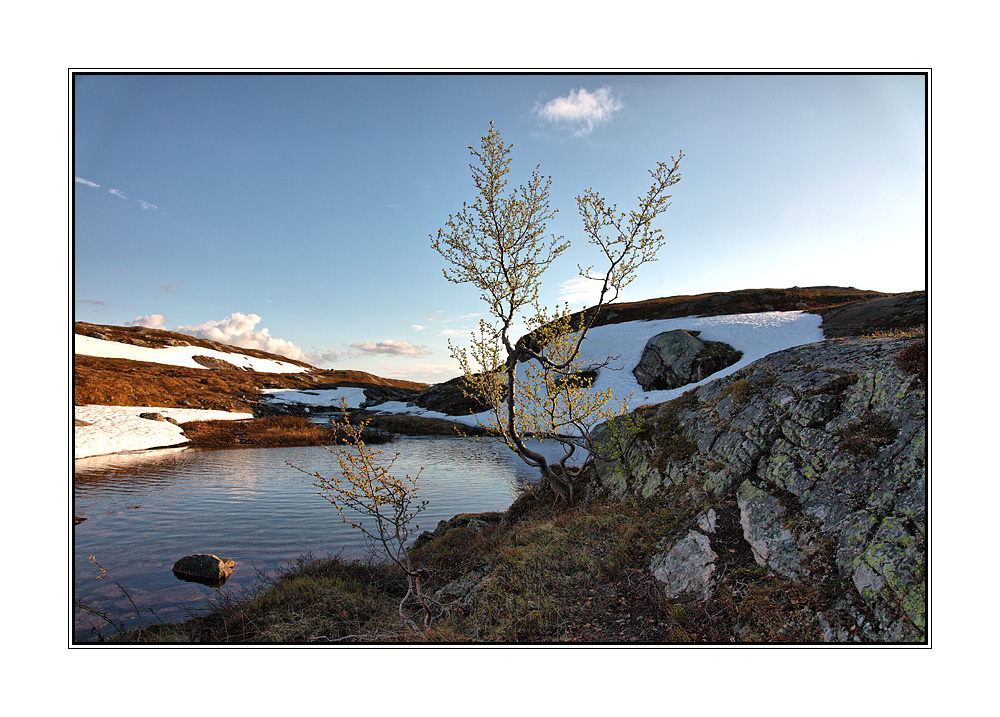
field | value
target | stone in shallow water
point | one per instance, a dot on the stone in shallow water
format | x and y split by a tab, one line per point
208	570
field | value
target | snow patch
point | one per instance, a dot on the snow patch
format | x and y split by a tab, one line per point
320	398
177	355
115	429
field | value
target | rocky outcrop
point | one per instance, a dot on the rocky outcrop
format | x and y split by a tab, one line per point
215	364
885	313
471	521
449	398
676	358
820	450
208	570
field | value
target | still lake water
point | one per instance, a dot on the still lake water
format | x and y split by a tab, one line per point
144	511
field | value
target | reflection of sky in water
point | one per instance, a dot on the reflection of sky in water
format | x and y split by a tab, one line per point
145	511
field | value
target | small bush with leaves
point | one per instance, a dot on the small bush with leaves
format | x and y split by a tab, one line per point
382	506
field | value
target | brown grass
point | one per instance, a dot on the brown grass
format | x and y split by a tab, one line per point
913	360
269	431
122	382
158	338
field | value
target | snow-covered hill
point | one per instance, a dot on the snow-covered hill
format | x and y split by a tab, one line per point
178	355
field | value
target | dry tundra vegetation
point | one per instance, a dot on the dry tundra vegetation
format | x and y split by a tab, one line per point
555	572
558	574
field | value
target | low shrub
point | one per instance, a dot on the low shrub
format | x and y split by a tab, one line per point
868	434
913	360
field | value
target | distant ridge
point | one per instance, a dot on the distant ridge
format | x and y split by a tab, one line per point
743	301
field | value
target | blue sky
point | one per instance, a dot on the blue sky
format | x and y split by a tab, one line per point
294	212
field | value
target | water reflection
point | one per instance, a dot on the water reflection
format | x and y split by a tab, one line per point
145	511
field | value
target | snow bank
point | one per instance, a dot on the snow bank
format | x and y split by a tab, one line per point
118	428
401	407
320	398
177	355
756	335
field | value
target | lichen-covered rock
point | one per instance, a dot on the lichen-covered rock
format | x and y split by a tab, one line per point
824	449
774	546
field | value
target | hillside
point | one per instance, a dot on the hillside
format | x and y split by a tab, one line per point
219	385
780	498
815	299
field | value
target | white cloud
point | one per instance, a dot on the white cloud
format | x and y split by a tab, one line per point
153	321
170	288
391	348
146	205
117	193
240	330
81	180
580	111
418	327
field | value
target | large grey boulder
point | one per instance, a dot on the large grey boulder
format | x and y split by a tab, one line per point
686	567
676	358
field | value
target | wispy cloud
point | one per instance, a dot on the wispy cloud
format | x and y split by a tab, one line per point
323	359
581	110
120	194
152	321
391	348
94	302
171	288
584	290
81	180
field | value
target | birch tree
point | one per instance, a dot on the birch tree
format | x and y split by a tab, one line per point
537	384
